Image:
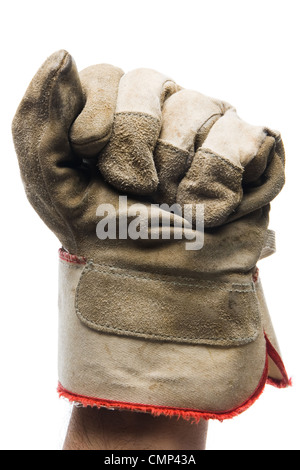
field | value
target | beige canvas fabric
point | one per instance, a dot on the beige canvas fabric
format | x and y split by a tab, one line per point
199	315
161	373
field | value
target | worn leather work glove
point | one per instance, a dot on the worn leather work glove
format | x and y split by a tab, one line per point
145	322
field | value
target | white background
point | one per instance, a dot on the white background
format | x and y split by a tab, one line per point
244	52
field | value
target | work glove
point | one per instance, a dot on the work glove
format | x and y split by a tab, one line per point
160	198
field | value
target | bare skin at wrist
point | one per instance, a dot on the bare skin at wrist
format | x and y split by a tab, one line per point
102	429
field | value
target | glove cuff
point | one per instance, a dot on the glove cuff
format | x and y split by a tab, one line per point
162	376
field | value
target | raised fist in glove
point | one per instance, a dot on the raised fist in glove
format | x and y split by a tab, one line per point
146	322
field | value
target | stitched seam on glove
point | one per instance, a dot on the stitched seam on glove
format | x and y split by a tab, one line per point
168	145
200	284
137	113
237	168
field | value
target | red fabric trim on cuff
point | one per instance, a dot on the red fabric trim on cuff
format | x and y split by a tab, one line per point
255	275
285	381
73	259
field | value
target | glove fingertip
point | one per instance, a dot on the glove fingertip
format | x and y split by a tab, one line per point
127	161
121	174
59	63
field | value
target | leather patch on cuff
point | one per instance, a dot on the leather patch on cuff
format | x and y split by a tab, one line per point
167	308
